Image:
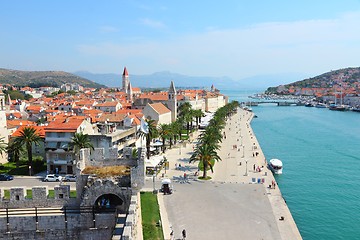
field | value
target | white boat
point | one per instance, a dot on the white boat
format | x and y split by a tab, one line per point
276	166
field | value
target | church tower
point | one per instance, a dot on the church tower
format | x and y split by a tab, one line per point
3	131
125	81
130	93
172	101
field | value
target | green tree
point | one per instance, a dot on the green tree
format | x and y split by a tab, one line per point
198	114
163	132
152	133
206	154
3	145
14	151
28	137
79	141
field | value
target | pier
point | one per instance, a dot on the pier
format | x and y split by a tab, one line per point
279	103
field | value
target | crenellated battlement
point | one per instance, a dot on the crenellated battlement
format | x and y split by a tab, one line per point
37	196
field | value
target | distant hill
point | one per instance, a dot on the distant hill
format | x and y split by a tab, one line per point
160	79
42	78
349	76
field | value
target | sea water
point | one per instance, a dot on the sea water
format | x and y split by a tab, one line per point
320	150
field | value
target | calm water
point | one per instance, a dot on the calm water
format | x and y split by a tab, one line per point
321	155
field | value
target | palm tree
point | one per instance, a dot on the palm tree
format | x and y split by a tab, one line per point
14	150
3	145
28	136
198	114
184	109
163	132
207	155
79	141
152	133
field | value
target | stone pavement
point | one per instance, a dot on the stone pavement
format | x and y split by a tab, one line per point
216	209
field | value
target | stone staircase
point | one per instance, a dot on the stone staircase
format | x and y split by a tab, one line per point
119	226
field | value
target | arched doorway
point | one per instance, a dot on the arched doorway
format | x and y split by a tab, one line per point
108	201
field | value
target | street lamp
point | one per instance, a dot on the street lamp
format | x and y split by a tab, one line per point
246	169
243	152
154	183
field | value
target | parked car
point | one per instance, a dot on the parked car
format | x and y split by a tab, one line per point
52	178
70	178
5	177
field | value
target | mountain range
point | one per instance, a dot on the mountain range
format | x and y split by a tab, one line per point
162	79
42	78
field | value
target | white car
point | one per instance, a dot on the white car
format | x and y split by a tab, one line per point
52	178
70	178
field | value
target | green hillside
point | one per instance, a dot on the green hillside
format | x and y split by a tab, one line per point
42	78
348	76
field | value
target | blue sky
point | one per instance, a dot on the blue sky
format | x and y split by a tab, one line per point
233	38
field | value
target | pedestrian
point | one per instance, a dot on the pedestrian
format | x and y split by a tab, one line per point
184	234
171	234
176	167
254	167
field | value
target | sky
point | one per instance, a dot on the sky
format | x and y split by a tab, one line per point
234	38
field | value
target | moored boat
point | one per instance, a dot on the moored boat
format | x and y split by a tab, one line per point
276	166
337	107
320	105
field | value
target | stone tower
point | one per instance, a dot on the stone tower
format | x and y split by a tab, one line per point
125	81
130	93
172	101
3	130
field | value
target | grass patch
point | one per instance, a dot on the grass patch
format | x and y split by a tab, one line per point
109	171
51	194
23	168
28	194
207	178
150	216
73	193
6	194
201	165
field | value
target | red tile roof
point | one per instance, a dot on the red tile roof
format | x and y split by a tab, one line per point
160	108
38	129
70	124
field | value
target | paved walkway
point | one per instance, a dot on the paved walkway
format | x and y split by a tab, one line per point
227	207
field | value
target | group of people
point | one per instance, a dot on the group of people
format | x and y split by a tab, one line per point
257	168
273	184
183	232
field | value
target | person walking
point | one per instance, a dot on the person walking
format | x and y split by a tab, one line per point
184	234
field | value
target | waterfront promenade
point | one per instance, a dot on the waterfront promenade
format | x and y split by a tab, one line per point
232	205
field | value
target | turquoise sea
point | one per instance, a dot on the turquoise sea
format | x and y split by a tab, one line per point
320	150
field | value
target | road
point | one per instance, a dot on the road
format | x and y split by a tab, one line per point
29	182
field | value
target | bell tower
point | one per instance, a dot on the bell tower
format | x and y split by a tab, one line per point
125	81
172	101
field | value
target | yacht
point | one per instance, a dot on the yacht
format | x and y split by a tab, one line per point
320	105
276	166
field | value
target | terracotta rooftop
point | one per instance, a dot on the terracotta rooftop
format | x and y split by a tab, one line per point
38	129
70	124
160	108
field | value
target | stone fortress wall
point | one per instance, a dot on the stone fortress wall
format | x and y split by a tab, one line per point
25	218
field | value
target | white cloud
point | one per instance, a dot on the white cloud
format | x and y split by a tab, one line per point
312	46
108	29
152	23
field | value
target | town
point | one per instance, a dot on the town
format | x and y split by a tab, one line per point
63	134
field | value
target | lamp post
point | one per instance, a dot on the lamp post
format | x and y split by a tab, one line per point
154	183
243	152
246	169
